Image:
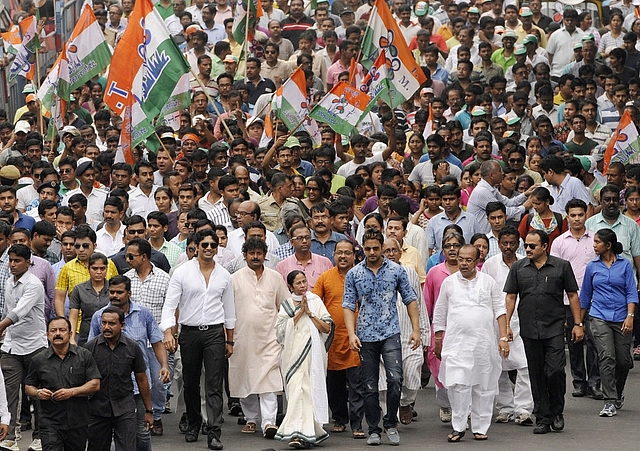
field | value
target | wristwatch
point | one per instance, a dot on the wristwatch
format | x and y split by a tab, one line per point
148	410
232	343
580	324
312	315
504	339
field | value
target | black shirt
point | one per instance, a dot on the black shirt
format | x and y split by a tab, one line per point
48	371
541	292
116	388
157	258
265	86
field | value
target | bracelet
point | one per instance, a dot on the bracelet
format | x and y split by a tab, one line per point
631	314
505	339
438	338
232	343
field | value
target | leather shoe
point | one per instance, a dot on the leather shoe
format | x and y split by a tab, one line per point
192	434
183	425
542	429
558	423
157	430
579	392
214	442
595	393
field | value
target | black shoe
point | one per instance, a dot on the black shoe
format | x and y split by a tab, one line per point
558	423
579	392
214	442
25	425
205	429
192	435
183	425
595	393
235	410
542	429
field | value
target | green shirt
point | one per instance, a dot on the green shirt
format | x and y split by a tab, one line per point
164	12
499	58
582	149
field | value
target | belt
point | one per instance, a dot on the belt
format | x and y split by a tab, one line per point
201	327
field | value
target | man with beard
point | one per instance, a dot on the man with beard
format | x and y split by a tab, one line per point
64	403
254	369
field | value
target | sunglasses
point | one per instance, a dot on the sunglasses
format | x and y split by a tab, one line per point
530	245
208	245
516	160
136	232
131	256
83	246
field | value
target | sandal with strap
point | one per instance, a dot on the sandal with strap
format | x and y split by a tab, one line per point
479	436
338	427
358	433
249	428
455	436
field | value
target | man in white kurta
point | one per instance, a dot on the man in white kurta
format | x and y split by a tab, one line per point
468	305
512	403
254	367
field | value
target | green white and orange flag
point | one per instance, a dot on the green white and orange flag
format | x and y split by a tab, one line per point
24	62
383	33
376	83
12	39
54	92
147	65
342	108
292	106
251	7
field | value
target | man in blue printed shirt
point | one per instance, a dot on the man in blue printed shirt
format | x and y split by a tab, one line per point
372	286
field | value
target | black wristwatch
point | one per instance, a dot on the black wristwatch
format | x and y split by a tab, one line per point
232	343
148	410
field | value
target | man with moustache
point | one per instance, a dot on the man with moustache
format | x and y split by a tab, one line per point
62	378
254	368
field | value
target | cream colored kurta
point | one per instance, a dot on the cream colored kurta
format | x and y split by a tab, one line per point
254	367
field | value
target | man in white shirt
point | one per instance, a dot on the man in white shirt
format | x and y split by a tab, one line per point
141	198
203	292
196	11
558	48
247	213
96	197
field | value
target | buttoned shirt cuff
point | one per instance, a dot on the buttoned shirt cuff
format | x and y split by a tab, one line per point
13	317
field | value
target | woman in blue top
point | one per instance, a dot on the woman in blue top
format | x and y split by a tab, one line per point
609	292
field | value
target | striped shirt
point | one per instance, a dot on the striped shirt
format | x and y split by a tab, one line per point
219	214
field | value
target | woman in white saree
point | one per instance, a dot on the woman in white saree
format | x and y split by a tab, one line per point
304	330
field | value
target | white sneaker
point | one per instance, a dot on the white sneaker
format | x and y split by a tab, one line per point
504	417
9	445
445	414
36	445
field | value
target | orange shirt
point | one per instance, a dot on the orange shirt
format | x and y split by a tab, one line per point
330	288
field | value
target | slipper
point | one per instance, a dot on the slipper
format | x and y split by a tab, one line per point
249	428
406	414
479	436
338	427
358	433
455	436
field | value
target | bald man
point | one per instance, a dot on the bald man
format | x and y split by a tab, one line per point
248	212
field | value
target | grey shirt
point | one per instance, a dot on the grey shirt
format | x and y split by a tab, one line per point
85	299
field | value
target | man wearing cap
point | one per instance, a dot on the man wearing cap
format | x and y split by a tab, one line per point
505	56
9	176
526	27
20	132
28	89
536	54
86	173
560	53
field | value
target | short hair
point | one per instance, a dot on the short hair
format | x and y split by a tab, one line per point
254	244
21	251
201	235
508	230
85	231
112	309
254	225
78	198
44	228
610	188
114	201
552	162
575	203
141	164
495	206
143	246
373	234
544	237
59	318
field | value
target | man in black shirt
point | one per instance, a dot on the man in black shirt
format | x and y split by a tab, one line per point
113	408
62	377
540	281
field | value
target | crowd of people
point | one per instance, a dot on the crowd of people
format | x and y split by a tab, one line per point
326	283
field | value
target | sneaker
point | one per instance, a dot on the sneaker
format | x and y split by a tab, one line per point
373	440
445	414
9	445
157	429
619	402
636	353
36	445
504	417
167	406
235	410
524	419
393	436
608	410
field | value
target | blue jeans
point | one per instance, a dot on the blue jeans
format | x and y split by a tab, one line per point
158	389
391	352
143	436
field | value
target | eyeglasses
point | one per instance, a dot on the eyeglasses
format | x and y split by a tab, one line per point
243	213
301	238
131	256
516	160
391	251
343	253
191	224
208	245
136	232
83	245
66	171
191	249
530	245
452	246
268	52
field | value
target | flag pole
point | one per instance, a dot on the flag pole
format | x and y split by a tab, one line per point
215	107
36	84
246	42
164	148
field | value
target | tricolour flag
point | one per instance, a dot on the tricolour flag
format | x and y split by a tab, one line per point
342	108
624	145
383	33
88	53
54	92
375	83
25	60
12	39
240	19
292	106
147	65
428	129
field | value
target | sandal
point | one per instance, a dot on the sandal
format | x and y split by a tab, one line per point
338	427
479	436
406	414
358	433
455	436
249	428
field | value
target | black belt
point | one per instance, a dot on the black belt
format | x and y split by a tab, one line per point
202	327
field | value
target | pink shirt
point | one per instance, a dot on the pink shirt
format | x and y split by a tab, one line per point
577	252
336	69
314	268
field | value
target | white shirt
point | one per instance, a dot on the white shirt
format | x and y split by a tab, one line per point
25	195
108	245
173	24
235	240
350	167
140	204
560	45
95	203
200	304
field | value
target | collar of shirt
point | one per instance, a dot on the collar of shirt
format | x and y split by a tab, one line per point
73	349
549	262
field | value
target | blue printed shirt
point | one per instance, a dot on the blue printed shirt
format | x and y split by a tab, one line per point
375	296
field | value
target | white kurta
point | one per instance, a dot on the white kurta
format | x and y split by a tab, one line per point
467	310
254	367
498	270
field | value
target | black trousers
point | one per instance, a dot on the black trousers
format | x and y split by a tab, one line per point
55	439
345	391
198	346
122	428
584	376
546	362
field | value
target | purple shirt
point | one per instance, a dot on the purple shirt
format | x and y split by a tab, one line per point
43	270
